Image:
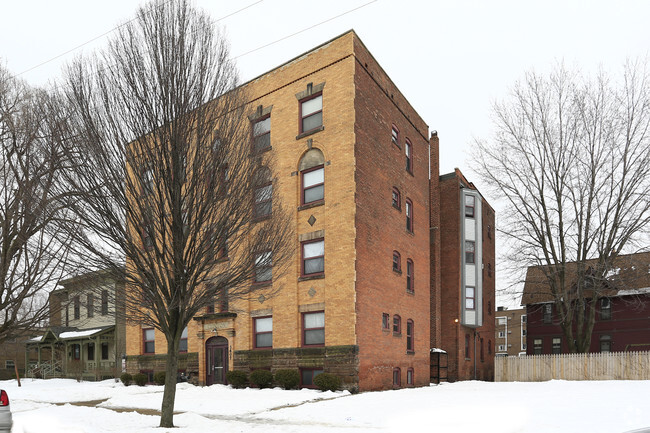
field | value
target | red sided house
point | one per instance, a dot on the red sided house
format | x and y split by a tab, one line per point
622	321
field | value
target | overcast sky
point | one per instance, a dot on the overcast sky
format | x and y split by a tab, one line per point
451	59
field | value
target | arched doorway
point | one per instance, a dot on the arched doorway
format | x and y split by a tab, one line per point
216	360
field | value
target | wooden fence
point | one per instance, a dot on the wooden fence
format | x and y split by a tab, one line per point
580	366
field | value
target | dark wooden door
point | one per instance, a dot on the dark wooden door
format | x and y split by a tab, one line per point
216	360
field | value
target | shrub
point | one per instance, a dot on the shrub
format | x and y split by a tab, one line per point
287	379
159	377
237	378
327	382
126	379
140	379
262	378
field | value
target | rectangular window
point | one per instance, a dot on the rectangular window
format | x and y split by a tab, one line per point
502	334
91	351
76	351
307	376
466	346
77	308
313	257
410	342
104	302
397	377
397	325
502	348
482	355
409	215
262	134
147	181
469	298
385	321
104	351
469	206
397	265
408	149
409	276
409	377
501	321
548	313
396	200
470	247
394	136
557	345
313	328
523	319
9	364
149	339
263	330
90	306
605	309
263	267
263	201
182	344
605	344
313	185
537	346
311	113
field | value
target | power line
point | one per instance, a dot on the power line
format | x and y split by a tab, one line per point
303	30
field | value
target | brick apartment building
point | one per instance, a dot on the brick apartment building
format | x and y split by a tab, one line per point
369	315
621	317
510	332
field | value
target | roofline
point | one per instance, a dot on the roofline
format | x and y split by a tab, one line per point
459	174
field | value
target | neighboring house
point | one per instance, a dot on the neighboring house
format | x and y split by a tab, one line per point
12	353
622	312
466	269
510	332
86	336
358	178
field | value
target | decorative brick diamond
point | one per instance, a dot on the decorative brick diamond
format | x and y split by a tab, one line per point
262	298
311	220
312	292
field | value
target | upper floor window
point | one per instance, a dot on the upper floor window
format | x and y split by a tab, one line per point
263	193
467	346
262	134
605	309
263	332
77	308
263	267
149	340
410	286
470	202
469	298
385	321
409	215
313	184
182	345
397	262
394	136
548	313
104	302
147	181
90	306
408	148
469	251
311	113
396	199
410	342
313	257
397	324
313	328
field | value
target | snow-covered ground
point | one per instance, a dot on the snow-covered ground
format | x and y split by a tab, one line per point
556	406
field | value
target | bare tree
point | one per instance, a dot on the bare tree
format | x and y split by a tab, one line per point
571	159
169	181
33	247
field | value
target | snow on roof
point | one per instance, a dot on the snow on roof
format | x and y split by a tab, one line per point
78	334
436	350
641	291
36	339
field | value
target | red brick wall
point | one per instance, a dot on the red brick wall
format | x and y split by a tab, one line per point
380	166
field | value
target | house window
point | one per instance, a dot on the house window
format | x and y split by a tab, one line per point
523	319
502	334
385	321
263	331
410	342
9	363
409	215
502	348
397	377
77	308
470	246
149	337
397	325
76	351
313	325
147	181
263	193
396	199
397	262
537	346
408	149
182	344
409	377
548	313
469	206
90	307
605	309
311	113
409	276
91	352
605	344
313	257
313	184
469	298
104	351
263	267
104	302
262	134
394	136
557	345
307	376
466	346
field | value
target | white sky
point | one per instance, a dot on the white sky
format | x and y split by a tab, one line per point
451	59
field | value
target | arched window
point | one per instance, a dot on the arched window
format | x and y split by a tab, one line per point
312	177
408	149
397	377
397	324
396	199
263	193
410	342
397	262
410	286
409	215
